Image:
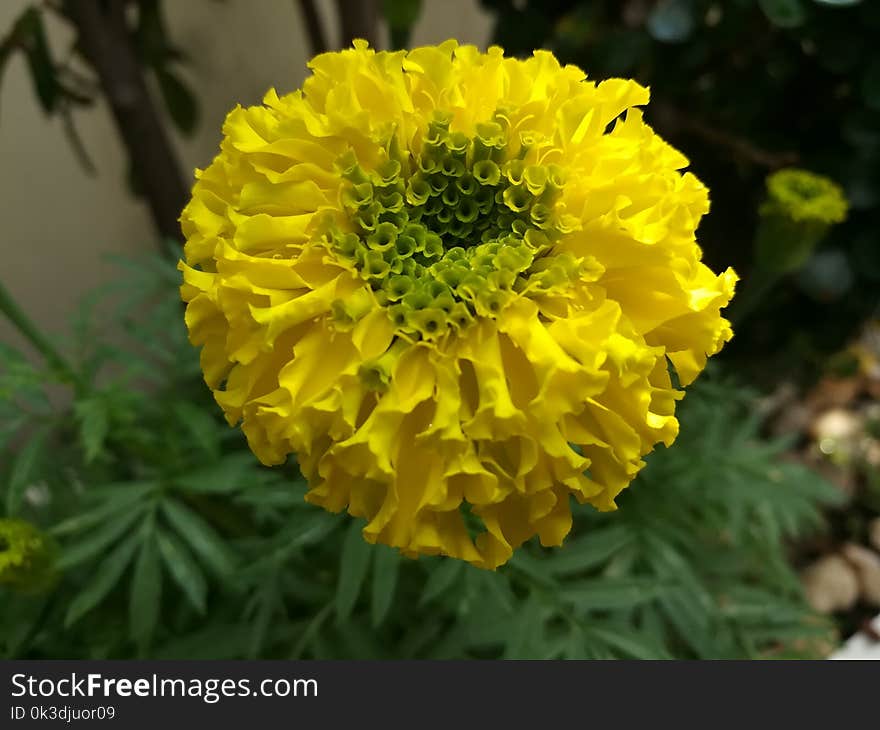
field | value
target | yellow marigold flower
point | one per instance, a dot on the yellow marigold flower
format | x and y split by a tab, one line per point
450	282
797	213
804	196
27	556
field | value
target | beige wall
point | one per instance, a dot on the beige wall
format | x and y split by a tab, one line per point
58	222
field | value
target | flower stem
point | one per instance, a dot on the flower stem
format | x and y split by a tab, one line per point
30	332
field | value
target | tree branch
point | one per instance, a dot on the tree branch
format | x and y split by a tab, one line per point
671	119
314	28
358	19
105	41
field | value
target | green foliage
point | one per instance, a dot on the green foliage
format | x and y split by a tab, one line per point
175	542
401	15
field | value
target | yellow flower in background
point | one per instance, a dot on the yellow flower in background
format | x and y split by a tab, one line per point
451	283
804	196
797	213
27	556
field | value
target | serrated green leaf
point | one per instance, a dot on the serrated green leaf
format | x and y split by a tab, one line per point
201	537
21	381
203	429
600	594
441	579
183	569
25	467
386	564
120	500
311	530
525	631
103	537
94	422
228	475
353	564
105	578
145	596
589	551
631	644
532	567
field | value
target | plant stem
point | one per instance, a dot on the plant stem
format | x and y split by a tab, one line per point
29	331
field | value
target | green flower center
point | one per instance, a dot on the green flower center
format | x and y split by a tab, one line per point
451	232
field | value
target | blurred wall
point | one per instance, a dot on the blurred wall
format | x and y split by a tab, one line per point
58	222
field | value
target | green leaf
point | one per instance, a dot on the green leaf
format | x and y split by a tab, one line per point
525	631
105	578
31	35
401	15
442	579
120	499
146	591
179	100
595	594
9	427
229	474
94	420
630	643
838	3
784	13
203	429
386	565
100	539
589	551
312	529
24	470
183	569
21	381
201	537
353	564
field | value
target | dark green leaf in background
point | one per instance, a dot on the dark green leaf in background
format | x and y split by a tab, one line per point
106	577
386	564
145	597
183	568
25	469
401	15
353	565
94	420
31	35
180	101
201	537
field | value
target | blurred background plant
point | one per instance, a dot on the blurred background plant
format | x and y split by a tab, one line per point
134	522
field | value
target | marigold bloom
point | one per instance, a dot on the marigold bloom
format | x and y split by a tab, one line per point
27	556
451	282
797	213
